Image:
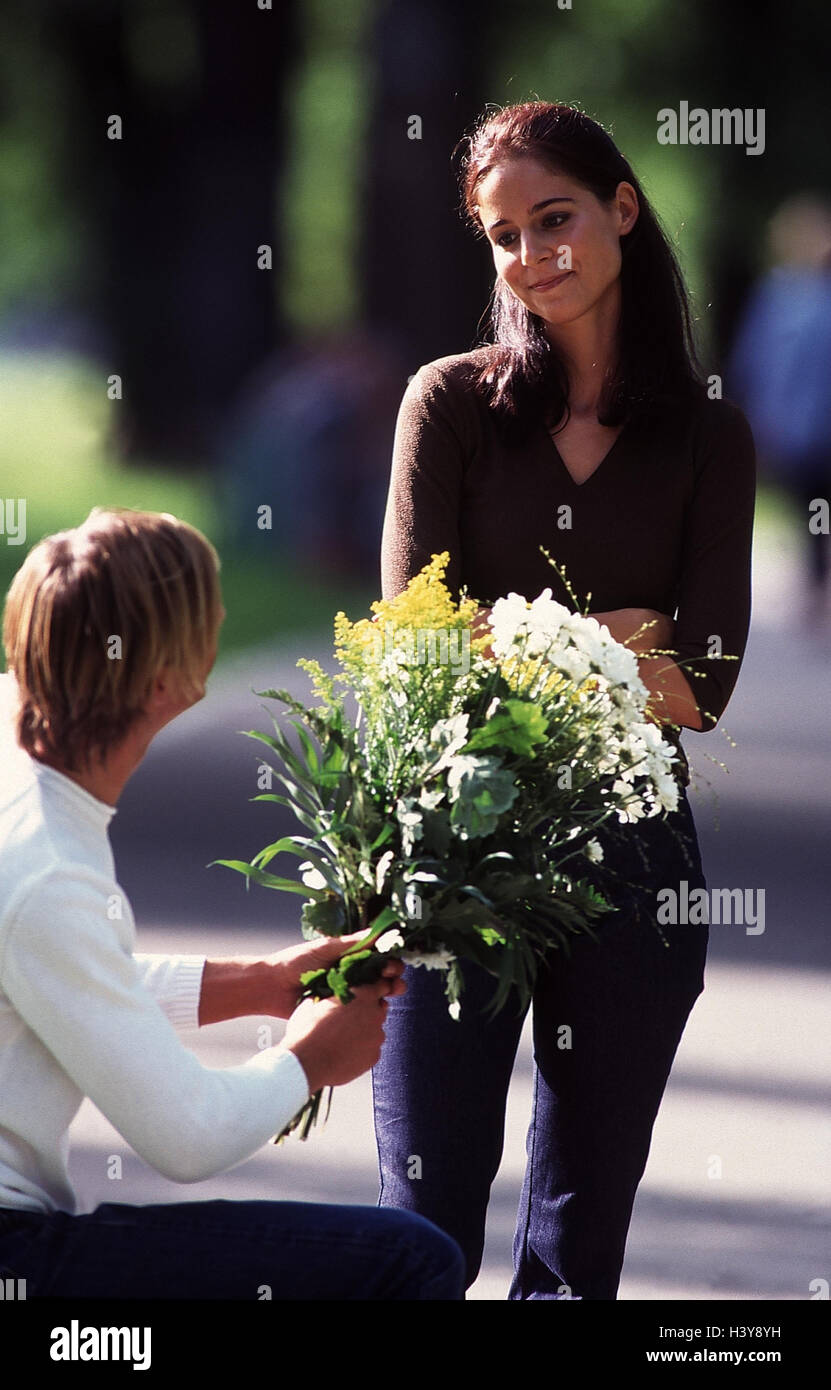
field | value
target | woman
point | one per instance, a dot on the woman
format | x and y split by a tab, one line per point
584	428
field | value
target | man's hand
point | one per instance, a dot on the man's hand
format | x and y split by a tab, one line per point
336	1042
283	988
271	985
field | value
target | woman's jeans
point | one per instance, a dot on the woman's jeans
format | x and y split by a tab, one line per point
607	1023
230	1250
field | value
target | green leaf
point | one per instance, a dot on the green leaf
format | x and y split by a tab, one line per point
285	885
491	936
315	984
380	839
303	797
386	917
289	844
239	865
326	914
518	726
308	747
339	985
482	791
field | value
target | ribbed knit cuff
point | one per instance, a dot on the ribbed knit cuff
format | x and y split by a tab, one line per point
183	1002
176	984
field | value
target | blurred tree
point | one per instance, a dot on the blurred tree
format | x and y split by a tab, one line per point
425	281
178	206
744	55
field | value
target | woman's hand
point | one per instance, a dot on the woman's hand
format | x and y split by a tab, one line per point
642	630
480	627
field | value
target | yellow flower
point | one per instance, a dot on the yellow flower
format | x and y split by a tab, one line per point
525	677
425	605
322	683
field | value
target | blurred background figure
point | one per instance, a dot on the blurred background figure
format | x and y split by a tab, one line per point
780	372
309	440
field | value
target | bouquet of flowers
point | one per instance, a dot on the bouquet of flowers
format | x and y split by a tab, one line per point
452	813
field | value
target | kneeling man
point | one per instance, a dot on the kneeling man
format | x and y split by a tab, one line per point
82	1015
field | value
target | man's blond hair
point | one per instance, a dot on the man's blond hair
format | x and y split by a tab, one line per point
92	617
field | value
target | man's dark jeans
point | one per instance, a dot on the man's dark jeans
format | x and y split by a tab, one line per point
230	1250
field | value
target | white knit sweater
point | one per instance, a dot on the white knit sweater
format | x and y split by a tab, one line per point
81	1015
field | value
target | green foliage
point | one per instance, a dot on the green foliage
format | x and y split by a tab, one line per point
518	726
481	789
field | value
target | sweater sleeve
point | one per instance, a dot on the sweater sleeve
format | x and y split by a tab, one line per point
432	437
175	982
79	989
713	615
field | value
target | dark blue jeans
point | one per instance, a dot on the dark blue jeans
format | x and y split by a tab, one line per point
607	1023
230	1250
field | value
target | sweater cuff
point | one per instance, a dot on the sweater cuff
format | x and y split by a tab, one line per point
176	984
183	1002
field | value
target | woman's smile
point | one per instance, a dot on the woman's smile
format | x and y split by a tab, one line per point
543	285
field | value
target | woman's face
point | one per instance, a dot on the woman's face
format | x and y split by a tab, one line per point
555	245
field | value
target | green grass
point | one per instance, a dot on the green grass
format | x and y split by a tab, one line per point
54	452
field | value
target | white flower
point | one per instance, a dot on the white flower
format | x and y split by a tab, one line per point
619	665
454	1009
594	851
572	662
585	633
430	799
454	733
389	941
546	614
546	617
311	876
431	960
392	660
666	789
381	870
508	617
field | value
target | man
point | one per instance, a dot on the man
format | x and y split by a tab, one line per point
110	632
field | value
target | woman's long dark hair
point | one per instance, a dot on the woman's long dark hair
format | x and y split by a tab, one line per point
524	379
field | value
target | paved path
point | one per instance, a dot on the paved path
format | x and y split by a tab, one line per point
734	1203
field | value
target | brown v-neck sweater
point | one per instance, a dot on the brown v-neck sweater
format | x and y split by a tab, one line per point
664	522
